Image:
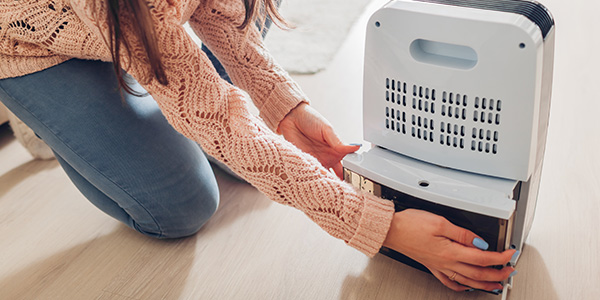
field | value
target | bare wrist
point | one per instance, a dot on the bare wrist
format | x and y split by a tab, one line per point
292	113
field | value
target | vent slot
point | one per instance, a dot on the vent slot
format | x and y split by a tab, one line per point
485	141
446	124
487	111
454	105
452	135
422	128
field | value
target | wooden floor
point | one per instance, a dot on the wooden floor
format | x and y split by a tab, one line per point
56	245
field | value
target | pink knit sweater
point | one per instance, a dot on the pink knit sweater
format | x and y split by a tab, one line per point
36	35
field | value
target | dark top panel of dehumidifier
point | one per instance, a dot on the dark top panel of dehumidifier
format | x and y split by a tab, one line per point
534	11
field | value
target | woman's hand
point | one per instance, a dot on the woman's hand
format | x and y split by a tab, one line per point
448	251
308	130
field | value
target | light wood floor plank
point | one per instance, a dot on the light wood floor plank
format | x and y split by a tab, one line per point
56	245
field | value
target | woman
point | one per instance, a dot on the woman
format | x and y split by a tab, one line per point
61	65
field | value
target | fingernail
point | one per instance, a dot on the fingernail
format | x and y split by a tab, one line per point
356	144
481	244
513	259
513	274
497	291
469	290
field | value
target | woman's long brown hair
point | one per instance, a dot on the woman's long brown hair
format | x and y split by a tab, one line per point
144	30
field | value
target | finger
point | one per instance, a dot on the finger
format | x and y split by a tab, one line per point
463	236
453	285
484	273
331	138
339	170
476	257
480	285
334	142
347	149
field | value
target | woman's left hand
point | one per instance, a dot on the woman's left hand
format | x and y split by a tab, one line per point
308	130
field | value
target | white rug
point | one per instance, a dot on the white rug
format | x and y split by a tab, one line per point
321	27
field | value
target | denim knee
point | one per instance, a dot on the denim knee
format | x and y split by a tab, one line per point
181	220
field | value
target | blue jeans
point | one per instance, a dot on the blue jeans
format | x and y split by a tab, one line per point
123	156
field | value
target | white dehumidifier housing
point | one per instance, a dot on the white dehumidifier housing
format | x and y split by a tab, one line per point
456	104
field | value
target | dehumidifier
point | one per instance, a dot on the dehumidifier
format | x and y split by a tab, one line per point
456	102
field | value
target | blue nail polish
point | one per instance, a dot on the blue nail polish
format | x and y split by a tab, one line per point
513	274
481	244
513	259
497	291
356	144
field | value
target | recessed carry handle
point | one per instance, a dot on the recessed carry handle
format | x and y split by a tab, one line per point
443	54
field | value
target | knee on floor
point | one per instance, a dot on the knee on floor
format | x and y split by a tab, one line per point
183	219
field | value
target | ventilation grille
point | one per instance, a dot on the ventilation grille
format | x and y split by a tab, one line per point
454	106
484	141
452	135
487	111
442	117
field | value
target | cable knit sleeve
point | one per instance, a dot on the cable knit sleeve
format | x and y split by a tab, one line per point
246	59
207	109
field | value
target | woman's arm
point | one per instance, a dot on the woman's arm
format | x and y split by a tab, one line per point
247	61
206	109
251	67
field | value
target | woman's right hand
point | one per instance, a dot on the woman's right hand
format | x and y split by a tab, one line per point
445	249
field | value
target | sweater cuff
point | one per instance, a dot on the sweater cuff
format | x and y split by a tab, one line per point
284	97
373	226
